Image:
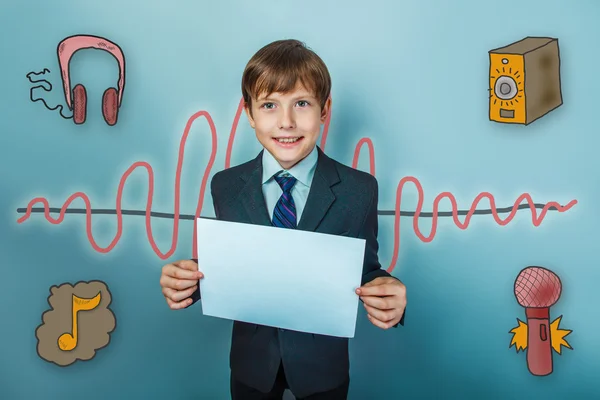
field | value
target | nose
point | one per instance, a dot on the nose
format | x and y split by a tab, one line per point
286	119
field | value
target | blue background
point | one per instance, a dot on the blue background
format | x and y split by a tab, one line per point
412	76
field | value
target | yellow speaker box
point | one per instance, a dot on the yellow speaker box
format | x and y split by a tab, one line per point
525	80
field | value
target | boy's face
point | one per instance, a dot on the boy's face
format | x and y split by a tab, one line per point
288	125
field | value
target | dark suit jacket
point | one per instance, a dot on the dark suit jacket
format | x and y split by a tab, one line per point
341	201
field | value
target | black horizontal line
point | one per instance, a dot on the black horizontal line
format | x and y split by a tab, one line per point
156	214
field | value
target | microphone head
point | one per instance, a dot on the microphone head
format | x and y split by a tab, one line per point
537	287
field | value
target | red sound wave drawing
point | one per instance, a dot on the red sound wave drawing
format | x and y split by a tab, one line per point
537	220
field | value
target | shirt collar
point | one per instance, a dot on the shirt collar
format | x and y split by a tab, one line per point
303	171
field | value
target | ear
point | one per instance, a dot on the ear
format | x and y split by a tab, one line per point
249	115
326	110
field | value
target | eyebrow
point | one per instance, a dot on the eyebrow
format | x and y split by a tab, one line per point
303	96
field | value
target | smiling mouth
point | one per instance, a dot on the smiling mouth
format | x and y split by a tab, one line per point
288	140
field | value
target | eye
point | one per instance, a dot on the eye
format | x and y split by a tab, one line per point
303	103
268	106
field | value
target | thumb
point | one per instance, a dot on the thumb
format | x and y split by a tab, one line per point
187	264
371	283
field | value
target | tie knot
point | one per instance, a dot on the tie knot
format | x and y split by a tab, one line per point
285	181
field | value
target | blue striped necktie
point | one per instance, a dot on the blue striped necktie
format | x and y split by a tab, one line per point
284	214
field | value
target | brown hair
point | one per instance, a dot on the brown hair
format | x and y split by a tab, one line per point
280	65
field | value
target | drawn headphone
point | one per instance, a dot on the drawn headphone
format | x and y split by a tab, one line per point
77	99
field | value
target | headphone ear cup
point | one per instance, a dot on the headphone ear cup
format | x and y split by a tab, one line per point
79	104
110	108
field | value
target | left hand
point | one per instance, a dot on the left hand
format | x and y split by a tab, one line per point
384	299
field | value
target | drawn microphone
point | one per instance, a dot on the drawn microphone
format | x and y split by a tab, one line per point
537	289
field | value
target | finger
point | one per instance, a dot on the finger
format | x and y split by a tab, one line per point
380	324
187	269
374	282
177	284
174	271
377	290
382	303
380	315
380	281
190	265
178	305
178	295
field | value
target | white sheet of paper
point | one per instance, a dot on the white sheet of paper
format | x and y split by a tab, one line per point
285	278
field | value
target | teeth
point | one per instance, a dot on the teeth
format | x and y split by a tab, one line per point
287	140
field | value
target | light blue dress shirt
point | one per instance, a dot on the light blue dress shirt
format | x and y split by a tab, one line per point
304	172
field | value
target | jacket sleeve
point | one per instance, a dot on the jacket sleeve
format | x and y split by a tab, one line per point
196	295
369	231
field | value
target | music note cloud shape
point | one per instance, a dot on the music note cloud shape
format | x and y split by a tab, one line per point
78	324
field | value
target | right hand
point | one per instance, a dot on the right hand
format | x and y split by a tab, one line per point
179	280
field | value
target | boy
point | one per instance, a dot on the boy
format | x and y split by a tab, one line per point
294	185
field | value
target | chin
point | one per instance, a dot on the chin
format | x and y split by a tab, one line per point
290	156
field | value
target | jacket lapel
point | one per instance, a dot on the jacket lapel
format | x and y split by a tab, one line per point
251	195
320	197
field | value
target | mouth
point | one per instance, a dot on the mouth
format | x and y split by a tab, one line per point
288	141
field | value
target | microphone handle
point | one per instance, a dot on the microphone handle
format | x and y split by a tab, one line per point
539	346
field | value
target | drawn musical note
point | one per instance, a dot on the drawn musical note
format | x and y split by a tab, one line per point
68	341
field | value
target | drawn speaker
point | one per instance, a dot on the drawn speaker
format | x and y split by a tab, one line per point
524	80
